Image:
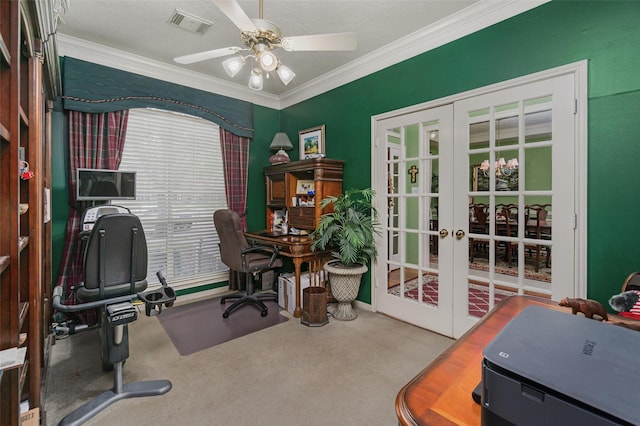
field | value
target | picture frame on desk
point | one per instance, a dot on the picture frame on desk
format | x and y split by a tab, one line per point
312	142
304	186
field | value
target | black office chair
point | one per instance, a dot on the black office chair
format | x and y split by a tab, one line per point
115	272
239	256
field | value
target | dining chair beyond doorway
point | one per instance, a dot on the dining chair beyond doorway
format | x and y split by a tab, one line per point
537	227
478	224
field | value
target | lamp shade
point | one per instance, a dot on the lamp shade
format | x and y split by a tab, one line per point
285	74
233	65
267	61
280	141
255	81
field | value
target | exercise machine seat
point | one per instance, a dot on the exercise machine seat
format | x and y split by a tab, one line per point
115	273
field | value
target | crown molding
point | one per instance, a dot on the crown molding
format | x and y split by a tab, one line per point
102	55
467	21
479	15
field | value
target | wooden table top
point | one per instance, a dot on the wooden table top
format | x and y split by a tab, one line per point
441	393
289	245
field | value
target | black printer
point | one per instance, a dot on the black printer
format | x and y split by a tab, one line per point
549	367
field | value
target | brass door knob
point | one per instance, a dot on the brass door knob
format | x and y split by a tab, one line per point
443	233
459	234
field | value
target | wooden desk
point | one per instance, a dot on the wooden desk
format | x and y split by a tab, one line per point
441	393
298	248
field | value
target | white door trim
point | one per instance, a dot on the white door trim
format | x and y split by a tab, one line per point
580	72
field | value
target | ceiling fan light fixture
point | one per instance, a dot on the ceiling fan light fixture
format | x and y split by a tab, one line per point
233	65
259	38
268	61
255	81
285	73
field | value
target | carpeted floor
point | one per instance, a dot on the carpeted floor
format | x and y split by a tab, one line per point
345	373
199	325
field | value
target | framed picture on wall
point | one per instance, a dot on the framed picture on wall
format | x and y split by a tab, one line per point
312	142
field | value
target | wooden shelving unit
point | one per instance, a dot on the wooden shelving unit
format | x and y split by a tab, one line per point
23	269
298	187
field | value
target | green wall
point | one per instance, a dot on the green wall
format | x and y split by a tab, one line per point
59	188
606	33
266	122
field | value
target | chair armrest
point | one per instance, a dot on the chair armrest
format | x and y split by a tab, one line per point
269	249
57	301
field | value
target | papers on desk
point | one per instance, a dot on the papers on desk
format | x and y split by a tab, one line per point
12	357
296	231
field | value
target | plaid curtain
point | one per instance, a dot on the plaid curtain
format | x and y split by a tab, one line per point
235	160
95	142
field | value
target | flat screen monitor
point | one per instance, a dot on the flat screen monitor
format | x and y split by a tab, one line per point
102	184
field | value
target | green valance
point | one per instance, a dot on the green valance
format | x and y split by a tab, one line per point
90	87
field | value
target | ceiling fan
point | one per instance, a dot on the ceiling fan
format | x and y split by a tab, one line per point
260	37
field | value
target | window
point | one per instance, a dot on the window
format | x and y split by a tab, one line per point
179	184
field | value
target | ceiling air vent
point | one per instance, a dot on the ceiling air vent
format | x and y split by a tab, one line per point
189	22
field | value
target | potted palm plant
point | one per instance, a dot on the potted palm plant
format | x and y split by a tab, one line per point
349	233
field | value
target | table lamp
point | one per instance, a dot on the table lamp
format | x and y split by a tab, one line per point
280	142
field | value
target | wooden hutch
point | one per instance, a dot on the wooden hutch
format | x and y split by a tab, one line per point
297	188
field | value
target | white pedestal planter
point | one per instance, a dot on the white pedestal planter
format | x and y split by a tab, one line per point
345	283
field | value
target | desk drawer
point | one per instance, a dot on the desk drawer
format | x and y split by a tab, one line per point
302	222
302	217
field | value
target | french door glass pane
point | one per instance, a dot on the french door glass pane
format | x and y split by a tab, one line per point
510	151
412	202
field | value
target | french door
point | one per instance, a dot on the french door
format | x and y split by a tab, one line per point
516	148
418	186
477	203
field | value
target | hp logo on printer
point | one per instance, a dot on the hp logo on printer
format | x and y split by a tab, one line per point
589	346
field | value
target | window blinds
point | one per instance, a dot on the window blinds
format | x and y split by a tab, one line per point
179	184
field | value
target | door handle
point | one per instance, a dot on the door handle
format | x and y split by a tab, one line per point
443	233
460	234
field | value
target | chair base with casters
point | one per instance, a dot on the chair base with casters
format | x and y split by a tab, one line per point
248	298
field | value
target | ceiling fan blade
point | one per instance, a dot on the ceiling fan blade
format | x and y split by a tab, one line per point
336	41
235	13
209	54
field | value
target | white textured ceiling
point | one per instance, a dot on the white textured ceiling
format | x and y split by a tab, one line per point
140	27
